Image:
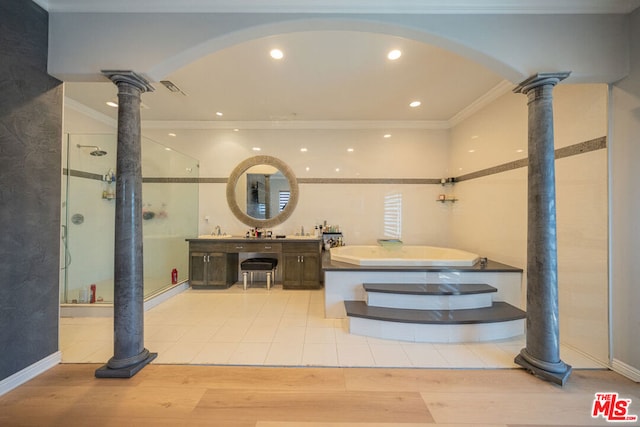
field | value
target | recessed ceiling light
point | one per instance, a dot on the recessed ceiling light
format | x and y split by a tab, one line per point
219	114
472	151
394	54
236	130
256	148
386	135
304	150
112	104
519	150
167	149
171	134
350	150
276	54
307	168
415	104
337	169
475	137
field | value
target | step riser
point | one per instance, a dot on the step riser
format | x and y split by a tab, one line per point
429	302
436	333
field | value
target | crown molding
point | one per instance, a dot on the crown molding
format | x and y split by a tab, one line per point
89	112
341	6
298	124
496	92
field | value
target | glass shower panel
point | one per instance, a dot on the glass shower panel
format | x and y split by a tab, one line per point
88	218
170	214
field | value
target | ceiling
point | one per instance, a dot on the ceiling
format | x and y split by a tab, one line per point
324	76
330	76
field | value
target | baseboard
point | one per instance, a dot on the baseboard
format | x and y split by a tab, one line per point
165	295
626	370
30	372
106	310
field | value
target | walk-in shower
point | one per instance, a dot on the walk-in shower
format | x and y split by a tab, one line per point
88	216
98	152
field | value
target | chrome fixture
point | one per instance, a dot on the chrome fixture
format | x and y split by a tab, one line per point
98	152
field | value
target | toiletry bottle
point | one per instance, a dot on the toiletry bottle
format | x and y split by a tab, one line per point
174	276
92	297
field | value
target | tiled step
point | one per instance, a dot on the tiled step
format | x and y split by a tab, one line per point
499	321
429	296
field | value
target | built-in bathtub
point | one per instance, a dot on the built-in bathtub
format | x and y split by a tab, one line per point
343	280
403	256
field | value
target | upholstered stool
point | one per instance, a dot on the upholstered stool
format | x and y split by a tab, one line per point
250	265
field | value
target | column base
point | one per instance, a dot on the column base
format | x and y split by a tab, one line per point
553	372
126	372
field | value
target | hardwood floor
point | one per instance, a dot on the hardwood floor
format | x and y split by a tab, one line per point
181	395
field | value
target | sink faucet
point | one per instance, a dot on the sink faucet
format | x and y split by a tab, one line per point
217	231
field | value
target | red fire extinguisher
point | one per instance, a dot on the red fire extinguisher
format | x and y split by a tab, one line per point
92	298
174	276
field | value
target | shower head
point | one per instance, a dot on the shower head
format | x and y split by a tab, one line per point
97	152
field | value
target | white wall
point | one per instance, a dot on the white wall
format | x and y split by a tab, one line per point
356	208
491	216
625	212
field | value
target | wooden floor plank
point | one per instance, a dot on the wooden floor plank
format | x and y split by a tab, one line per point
170	395
244	377
252	406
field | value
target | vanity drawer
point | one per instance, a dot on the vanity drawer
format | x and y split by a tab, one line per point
207	246
268	247
299	247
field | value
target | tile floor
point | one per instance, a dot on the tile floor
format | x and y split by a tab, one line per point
275	328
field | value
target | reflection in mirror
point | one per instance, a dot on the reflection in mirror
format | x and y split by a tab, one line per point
262	191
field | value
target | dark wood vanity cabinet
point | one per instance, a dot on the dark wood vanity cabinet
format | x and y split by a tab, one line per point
213	263
213	270
302	263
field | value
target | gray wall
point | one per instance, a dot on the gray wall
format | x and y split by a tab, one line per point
30	159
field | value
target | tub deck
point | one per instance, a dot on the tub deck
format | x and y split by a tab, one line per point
491	266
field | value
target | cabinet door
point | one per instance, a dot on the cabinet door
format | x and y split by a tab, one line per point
291	270
217	273
197	268
310	274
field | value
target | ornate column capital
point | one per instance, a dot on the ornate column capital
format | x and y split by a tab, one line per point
129	77
541	79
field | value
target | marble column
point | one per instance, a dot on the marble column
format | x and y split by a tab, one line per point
541	356
130	355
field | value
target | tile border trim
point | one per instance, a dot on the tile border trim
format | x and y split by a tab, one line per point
560	153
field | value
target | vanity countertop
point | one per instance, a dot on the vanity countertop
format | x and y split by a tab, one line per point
236	239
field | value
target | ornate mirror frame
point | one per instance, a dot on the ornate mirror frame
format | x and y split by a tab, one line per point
233	181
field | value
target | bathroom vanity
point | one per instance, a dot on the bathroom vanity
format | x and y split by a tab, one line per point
214	261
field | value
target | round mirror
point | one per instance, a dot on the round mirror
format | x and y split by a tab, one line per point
262	191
